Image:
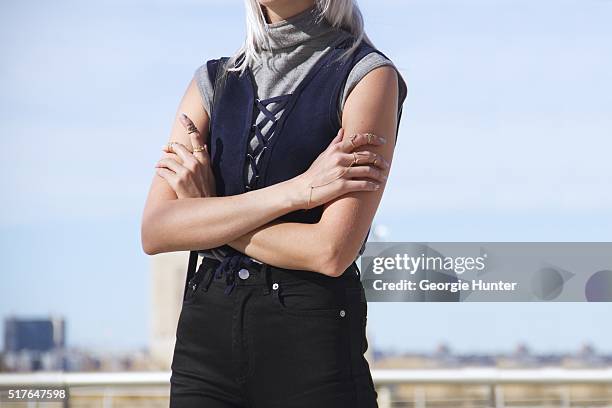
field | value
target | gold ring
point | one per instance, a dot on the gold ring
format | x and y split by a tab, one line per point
374	162
355	159
369	135
198	149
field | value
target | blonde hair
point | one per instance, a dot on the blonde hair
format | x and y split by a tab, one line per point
344	14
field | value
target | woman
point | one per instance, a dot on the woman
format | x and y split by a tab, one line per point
276	165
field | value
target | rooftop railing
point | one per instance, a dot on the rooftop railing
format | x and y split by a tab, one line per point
111	387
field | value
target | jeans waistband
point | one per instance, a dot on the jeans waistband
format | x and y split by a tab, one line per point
241	270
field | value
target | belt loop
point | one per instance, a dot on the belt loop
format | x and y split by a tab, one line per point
265	269
357	271
211	274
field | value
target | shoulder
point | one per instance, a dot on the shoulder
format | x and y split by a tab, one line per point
367	63
367	60
203	77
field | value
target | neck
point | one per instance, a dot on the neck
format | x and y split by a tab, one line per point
285	9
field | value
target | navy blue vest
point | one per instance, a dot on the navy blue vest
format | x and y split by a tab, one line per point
305	128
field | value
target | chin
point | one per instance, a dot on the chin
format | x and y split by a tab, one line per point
272	3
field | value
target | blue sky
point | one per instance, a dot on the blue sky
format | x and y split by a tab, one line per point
505	136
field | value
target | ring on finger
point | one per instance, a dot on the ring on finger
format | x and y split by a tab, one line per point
355	159
369	136
198	149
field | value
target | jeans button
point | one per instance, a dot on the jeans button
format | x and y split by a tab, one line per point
342	313
275	286
243	273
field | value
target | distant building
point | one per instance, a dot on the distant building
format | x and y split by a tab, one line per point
34	344
34	334
168	273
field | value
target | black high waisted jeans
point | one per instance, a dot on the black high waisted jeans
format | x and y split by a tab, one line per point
280	339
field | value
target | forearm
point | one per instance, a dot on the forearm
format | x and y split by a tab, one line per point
311	247
286	245
201	223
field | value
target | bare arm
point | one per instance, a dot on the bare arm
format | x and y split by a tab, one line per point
332	244
169	224
172	224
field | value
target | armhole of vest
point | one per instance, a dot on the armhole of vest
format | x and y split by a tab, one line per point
212	66
213	70
363	50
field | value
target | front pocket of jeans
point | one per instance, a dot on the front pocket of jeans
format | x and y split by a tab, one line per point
308	300
336	312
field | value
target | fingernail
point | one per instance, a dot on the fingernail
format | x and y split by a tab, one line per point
383	140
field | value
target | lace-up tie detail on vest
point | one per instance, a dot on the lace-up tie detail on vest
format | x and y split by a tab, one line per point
262	132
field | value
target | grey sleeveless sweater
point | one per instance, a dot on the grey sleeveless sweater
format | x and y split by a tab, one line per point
295	45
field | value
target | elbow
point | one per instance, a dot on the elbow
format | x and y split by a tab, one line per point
336	260
149	235
147	241
149	247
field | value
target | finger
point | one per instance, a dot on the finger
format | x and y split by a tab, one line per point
369	172
187	123
197	140
171	165
203	156
338	137
361	185
168	175
335	143
171	155
169	147
188	159
365	157
361	139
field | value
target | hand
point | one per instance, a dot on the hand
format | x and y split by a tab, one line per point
188	173
340	170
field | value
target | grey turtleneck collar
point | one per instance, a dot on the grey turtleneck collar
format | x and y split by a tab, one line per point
296	43
299	29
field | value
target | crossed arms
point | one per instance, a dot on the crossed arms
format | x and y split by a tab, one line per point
174	221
